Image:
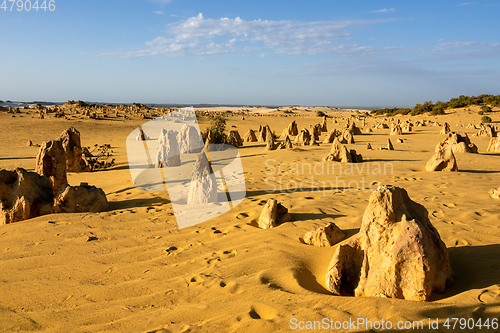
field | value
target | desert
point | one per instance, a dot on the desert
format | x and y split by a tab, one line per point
127	266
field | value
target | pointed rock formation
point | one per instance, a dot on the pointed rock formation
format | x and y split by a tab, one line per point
189	140
396	254
24	195
339	153
324	127
487	130
494	145
396	130
51	163
369	146
203	187
72	147
331	136
326	236
347	136
389	145
167	150
287	144
460	143
235	139
316	132
442	160
250	136
304	138
446	129
273	214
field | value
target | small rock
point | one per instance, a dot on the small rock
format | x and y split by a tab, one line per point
326	236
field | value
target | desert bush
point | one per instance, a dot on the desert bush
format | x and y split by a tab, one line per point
486	119
480	113
216	129
486	109
320	113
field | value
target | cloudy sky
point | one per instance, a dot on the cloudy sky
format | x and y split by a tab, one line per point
337	53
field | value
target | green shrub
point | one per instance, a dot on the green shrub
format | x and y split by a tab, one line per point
481	112
486	109
486	119
320	113
217	127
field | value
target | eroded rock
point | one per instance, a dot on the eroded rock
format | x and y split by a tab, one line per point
325	236
167	150
79	199
273	214
51	163
250	136
24	195
189	140
494	145
235	139
397	252
442	160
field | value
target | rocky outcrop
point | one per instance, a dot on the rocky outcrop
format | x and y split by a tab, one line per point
460	143
347	136
24	195
494	145
235	139
397	252
339	153
189	140
389	145
79	199
167	150
487	130
442	160
446	129
316	132
494	193
203	186
396	130
250	136
273	214
324	126
326	236
304	138
287	144
291	130
72	146
51	163
331	136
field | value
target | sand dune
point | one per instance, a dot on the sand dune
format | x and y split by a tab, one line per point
131	269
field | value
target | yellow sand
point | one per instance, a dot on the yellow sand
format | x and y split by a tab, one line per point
143	274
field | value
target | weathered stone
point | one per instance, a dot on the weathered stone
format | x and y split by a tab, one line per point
368	130
369	146
203	186
287	144
263	134
51	163
324	127
442	160
347	136
494	145
487	130
189	140
79	199
273	214
24	195
381	126
72	146
339	153
353	129
397	252
460	143
331	136
316	132
250	136
325	236
396	130
389	145
235	139
495	193
167	150
304	138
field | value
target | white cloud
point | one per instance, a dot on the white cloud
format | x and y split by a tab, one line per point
384	10
205	36
160	12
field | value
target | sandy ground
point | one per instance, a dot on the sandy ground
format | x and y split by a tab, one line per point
143	274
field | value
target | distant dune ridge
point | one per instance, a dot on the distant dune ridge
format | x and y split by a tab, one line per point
127	267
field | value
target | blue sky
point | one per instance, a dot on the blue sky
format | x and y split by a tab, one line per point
337	53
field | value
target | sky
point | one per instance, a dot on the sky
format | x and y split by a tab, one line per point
284	52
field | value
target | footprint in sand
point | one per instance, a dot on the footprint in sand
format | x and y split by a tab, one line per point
230	286
241	216
262	311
